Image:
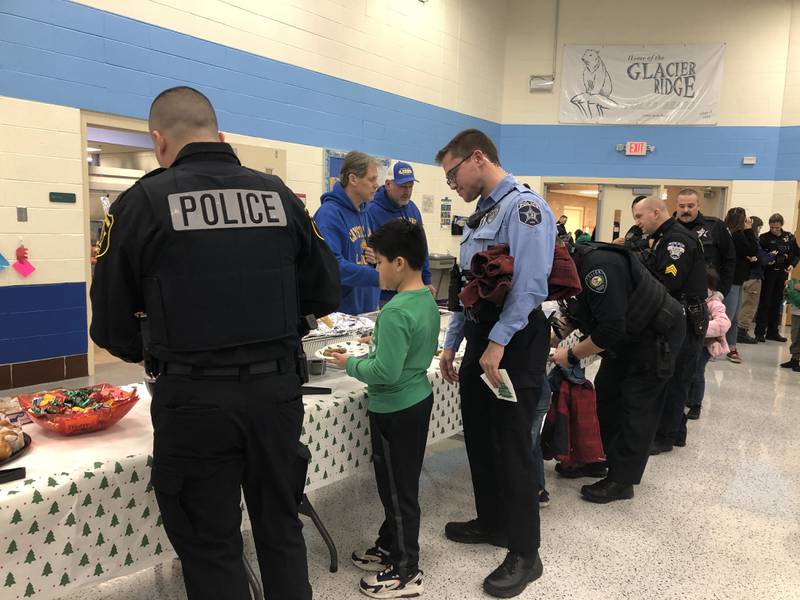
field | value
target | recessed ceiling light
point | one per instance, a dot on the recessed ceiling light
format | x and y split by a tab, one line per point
93	150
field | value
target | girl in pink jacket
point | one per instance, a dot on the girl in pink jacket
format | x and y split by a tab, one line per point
716	344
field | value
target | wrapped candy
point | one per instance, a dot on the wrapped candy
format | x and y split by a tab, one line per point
71	412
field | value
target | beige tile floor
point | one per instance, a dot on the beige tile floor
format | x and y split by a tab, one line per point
719	519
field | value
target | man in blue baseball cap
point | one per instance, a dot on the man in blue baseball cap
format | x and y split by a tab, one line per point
393	201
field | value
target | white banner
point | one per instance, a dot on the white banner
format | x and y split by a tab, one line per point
641	85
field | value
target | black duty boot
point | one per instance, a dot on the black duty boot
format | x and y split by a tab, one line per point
513	575
761	338
776	337
679	439
598	469
660	446
792	363
471	532
694	413
606	490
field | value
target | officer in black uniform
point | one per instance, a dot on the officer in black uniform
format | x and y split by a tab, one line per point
784	254
637	328
216	263
718	248
676	259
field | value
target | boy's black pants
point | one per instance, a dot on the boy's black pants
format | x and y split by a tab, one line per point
398	448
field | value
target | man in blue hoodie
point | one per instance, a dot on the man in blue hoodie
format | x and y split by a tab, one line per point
393	201
345	224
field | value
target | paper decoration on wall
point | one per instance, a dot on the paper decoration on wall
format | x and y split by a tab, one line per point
427	203
3	263
22	265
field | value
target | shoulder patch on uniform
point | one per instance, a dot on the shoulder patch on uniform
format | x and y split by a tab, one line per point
676	250
529	213
597	281
105	235
671	270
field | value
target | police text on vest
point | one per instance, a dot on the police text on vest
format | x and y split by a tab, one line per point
224	209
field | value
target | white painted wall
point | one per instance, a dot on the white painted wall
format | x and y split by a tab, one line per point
40	152
763	198
791	98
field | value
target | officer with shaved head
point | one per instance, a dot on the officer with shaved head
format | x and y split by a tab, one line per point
677	260
204	271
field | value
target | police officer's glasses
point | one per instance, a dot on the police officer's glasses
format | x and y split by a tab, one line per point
450	176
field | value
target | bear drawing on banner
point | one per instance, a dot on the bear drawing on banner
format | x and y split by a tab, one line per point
597	84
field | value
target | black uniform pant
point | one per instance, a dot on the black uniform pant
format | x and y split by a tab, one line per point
213	438
497	433
398	448
630	400
676	395
768	317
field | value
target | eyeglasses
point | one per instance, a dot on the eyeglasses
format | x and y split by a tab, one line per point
450	176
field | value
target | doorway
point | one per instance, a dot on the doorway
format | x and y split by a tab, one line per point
576	201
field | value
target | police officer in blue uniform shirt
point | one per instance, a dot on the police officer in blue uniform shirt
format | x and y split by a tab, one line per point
497	432
346	225
219	262
393	201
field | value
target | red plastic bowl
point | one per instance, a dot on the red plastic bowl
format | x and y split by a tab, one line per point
78	423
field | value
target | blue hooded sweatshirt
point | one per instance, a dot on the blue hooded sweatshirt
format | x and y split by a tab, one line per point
383	209
345	228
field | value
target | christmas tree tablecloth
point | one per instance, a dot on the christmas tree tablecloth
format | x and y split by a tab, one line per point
96	518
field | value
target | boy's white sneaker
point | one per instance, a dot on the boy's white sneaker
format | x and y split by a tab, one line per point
390	584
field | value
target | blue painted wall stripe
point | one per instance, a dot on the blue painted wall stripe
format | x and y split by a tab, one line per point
42	321
70	54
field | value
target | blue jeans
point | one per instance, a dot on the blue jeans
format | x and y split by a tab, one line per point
697	389
538	418
732	302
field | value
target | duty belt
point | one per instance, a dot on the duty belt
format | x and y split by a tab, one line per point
262	368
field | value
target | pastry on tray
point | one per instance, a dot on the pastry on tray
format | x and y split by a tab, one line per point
11	439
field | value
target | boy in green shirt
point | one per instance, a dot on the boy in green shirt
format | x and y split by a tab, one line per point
792	293
400	401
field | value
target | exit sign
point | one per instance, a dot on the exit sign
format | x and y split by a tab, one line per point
636	148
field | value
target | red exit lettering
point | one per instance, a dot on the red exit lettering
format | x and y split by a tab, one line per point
636	148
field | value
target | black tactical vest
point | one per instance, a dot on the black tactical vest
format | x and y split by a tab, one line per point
650	306
240	282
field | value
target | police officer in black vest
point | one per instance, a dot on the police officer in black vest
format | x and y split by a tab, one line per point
718	248
676	259
216	263
637	328
784	254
